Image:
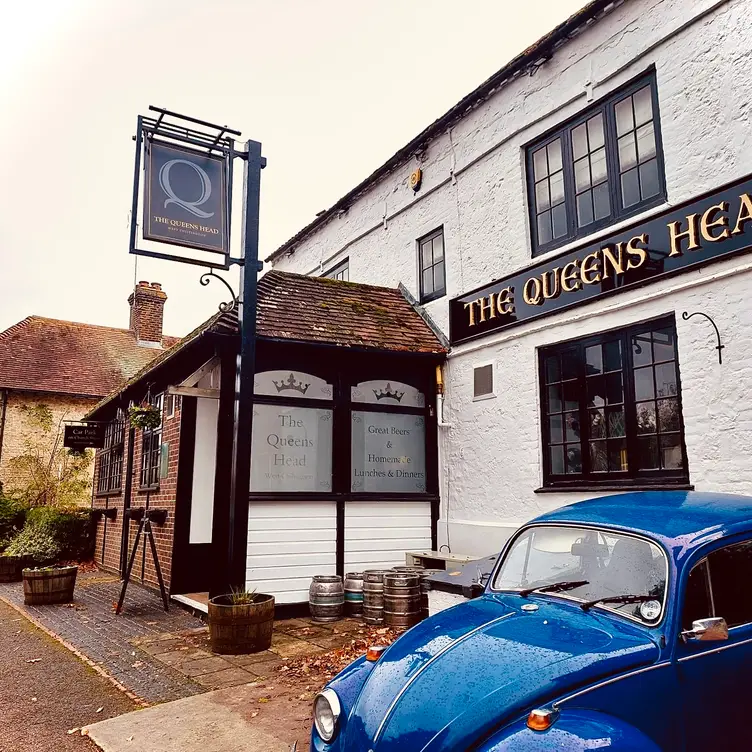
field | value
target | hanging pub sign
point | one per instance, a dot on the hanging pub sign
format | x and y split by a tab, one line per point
185	197
713	227
84	436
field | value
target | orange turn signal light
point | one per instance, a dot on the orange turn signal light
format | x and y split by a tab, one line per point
541	719
374	652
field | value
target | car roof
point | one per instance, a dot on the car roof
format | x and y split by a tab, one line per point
676	517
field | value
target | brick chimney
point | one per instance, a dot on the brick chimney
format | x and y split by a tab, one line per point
147	308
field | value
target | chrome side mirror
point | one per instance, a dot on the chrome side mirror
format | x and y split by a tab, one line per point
713	629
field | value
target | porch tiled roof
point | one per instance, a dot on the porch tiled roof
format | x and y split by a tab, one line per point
65	357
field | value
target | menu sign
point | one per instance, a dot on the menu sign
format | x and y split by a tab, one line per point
716	226
291	449
388	453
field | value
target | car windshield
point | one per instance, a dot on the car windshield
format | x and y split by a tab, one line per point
593	563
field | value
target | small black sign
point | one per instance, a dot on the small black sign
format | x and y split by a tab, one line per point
84	436
185	197
715	226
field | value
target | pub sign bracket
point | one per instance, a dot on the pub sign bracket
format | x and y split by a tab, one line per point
686	316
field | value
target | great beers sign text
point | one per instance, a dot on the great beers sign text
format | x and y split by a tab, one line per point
701	231
185	197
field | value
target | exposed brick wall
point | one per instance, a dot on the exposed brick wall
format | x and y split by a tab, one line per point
147	310
108	545
18	429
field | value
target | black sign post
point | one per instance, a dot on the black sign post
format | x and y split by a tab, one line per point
80	436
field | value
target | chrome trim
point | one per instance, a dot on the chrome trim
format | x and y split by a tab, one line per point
714	650
331	697
566	596
425	666
555	705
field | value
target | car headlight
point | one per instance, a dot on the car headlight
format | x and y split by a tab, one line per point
326	712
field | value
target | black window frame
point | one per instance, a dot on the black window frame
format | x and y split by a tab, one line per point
606	107
110	477
337	269
151	450
615	479
436	293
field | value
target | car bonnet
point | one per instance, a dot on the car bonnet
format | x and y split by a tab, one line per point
457	676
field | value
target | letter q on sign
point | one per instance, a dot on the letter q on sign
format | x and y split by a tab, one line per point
173	198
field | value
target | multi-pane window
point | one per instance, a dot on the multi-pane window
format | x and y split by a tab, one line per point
612	408
341	271
111	456
600	167
431	266
151	449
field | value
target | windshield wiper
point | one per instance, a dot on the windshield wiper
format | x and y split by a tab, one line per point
618	599
556	587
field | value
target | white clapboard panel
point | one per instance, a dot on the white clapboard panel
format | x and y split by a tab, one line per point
379	533
288	543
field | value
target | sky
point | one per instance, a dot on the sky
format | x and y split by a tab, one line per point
331	88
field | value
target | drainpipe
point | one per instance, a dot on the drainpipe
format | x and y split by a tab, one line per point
440	400
443	483
3	409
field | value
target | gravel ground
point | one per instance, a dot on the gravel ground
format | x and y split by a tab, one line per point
41	701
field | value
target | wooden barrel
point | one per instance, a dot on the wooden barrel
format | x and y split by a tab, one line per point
354	593
242	628
425	586
10	568
51	585
373	595
402	599
326	598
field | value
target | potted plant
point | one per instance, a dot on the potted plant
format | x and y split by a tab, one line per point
46	585
144	415
11	566
241	622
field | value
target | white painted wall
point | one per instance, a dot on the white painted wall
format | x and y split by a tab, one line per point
474	185
204	464
289	543
378	533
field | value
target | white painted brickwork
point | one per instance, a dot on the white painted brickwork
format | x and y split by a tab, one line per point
474	185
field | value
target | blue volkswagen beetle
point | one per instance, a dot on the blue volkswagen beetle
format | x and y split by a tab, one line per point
619	623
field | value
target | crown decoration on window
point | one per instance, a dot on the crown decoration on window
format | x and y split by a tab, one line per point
291	383
388	393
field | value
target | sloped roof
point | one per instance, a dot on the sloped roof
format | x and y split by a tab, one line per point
318	310
525	61
65	357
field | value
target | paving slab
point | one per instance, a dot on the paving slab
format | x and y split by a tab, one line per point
204	723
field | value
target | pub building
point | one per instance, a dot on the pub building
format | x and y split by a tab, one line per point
344	444
580	228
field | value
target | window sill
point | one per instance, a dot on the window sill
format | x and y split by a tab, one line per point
107	494
482	397
616	487
147	489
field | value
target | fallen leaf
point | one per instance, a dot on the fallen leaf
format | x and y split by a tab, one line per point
72	731
99	710
254	714
33	699
33	660
138	664
263	699
129	739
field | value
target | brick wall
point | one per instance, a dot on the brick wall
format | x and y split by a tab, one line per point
18	429
109	531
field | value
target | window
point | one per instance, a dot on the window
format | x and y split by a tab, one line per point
603	166
172	405
719	586
111	456
483	381
612	408
341	271
431	266
151	449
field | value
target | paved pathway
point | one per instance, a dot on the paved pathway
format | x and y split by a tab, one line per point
90	625
45	691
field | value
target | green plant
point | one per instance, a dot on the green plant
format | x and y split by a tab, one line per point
46	473
12	517
144	416
241	597
51	534
36	543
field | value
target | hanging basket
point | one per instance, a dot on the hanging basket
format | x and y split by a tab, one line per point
144	416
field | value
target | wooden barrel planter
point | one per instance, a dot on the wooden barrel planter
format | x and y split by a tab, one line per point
240	628
373	595
354	593
402	607
326	598
10	568
49	585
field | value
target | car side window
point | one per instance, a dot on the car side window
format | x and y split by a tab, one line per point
731	582
697	603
